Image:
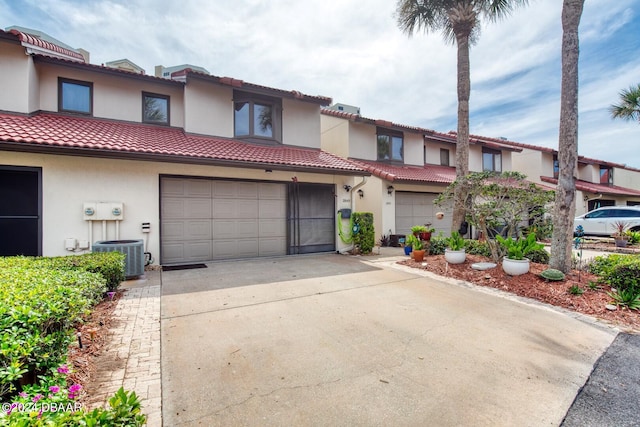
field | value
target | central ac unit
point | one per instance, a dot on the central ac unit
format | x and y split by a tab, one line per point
133	249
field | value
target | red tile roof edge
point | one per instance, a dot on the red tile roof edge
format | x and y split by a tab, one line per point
593	187
28	39
237	83
105	69
374	122
407	173
50	132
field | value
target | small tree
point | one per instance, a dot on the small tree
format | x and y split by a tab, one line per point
499	202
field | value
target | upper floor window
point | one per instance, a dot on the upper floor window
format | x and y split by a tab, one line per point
444	157
75	96
390	145
491	160
257	117
155	108
556	167
606	175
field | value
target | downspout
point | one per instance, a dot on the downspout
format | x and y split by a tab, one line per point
353	208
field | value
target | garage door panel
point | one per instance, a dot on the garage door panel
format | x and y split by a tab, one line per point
246	209
272	191
198	188
247	190
272	228
172	208
272	246
197	208
271	209
417	209
215	219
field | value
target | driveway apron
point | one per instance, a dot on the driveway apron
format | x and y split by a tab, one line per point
332	340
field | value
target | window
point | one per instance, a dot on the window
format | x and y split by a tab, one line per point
444	157
257	117
155	108
606	175
390	145
556	167
491	160
75	96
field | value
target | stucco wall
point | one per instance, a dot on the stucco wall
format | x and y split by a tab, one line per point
15	69
413	149
113	97
68	182
208	109
529	163
335	135
432	153
362	141
300	123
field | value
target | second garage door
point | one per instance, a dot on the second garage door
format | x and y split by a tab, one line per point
205	219
419	209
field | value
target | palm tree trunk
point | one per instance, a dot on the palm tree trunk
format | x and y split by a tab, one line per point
565	207
462	140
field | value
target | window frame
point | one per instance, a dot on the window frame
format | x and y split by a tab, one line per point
166	98
390	134
61	82
252	100
445	151
608	172
494	155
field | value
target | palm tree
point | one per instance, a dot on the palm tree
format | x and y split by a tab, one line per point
629	107
565	207
459	22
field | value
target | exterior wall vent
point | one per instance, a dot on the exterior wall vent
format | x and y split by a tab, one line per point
133	249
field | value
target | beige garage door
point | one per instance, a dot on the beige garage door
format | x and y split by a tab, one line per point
418	209
203	220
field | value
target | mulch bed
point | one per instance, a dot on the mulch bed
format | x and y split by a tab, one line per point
592	302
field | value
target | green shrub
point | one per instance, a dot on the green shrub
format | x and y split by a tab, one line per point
38	307
365	238
626	298
602	265
478	247
111	265
437	245
539	256
634	237
576	290
552	274
626	276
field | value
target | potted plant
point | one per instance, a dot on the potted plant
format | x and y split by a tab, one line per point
418	247
514	262
406	245
620	233
455	253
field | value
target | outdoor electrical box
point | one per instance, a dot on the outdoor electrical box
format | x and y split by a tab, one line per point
146	227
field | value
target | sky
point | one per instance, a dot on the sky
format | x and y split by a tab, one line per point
353	52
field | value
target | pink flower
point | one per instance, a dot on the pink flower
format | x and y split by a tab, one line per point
74	388
37	397
23	394
63	369
54	389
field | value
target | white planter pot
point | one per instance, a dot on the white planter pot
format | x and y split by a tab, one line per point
455	257
515	267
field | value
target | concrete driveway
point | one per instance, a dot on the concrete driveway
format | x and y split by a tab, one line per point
332	340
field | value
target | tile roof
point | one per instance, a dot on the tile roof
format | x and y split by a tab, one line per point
374	122
32	42
252	87
592	187
428	173
495	143
92	136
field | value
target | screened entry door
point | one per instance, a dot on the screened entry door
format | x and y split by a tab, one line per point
311	212
20	211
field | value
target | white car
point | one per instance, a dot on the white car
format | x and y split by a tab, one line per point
600	222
